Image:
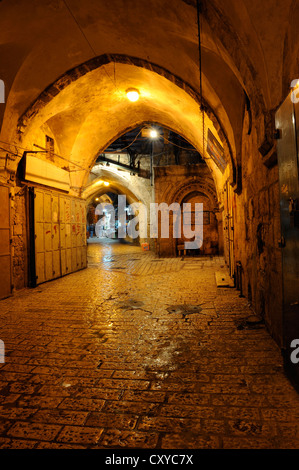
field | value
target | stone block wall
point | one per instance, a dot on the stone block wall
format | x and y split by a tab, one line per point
19	237
257	233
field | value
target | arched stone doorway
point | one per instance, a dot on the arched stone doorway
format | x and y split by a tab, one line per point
210	244
193	184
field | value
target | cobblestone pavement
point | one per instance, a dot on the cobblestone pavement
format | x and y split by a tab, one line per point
136	352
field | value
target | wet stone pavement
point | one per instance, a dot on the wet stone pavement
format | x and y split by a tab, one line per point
136	352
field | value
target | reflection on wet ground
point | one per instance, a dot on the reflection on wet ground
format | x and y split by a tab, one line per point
146	356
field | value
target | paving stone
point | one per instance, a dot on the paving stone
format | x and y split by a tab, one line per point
80	435
39	401
77	403
189	441
248	443
162	424
96	393
57	445
16	413
28	430
107	420
189	398
252	428
125	439
131	407
60	417
6	443
5	424
124	384
82	372
147	396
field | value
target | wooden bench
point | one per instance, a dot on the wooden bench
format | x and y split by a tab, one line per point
181	248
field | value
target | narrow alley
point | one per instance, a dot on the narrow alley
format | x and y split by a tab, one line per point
149	226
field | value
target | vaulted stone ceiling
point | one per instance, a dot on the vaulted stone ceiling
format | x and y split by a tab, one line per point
244	43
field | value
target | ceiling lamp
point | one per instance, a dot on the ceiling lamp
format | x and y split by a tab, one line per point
132	94
153	133
106	183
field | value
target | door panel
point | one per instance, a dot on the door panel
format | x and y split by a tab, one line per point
229	228
39	207
61	209
69	260
287	118
79	260
56	264
49	265
40	267
59	225
74	259
4	241
63	262
39	237
55	236
83	257
67	209
62	236
48	236
68	236
47	207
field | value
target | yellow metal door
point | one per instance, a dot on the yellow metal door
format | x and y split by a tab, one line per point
60	247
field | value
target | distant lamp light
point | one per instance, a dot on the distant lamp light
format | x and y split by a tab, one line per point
153	133
132	94
106	183
96	199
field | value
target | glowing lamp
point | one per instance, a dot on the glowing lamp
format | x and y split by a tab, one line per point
132	94
153	133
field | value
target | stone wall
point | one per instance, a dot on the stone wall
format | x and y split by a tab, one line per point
19	237
257	232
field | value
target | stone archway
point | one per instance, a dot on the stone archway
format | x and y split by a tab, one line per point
210	243
180	185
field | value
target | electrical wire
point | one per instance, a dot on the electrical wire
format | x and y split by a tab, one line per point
199	49
179	146
124	148
165	139
79	27
89	44
198	9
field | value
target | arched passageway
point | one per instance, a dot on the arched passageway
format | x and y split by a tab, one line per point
218	80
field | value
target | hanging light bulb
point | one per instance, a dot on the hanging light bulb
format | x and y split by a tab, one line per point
132	94
153	133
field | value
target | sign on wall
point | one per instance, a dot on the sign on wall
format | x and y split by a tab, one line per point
216	151
42	172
